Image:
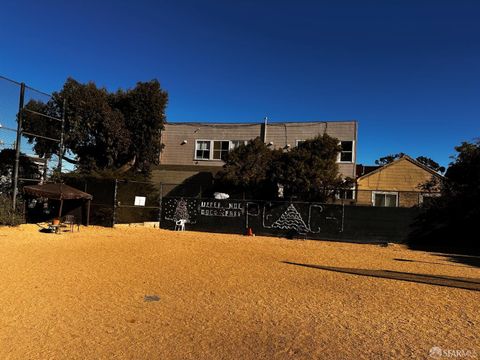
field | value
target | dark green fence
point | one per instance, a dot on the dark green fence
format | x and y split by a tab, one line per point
365	224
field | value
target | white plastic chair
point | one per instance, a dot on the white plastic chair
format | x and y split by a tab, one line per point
180	225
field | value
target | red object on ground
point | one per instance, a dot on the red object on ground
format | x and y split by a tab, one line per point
249	232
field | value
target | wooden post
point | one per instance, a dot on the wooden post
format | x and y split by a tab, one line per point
60	210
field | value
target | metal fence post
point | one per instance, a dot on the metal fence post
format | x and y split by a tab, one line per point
17	144
60	152
114	202
160	205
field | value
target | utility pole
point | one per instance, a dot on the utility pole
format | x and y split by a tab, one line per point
17	144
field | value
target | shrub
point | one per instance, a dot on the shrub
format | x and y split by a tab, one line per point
8	216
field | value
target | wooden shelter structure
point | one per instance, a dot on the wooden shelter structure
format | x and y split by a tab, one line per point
60	192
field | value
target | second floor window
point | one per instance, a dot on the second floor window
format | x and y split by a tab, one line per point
220	149
346	155
237	143
202	150
215	149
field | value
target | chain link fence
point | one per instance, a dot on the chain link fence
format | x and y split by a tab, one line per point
118	201
19	165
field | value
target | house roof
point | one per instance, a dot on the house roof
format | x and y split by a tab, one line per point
403	157
57	192
270	122
361	170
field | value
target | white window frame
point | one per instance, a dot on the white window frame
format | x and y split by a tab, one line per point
297	142
196	148
385	193
339	156
211	142
352	189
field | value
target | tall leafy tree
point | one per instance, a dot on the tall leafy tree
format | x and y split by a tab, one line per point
310	171
463	175
451	220
388	159
104	131
143	108
307	172
432	164
247	169
428	162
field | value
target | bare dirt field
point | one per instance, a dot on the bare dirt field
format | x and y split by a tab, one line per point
144	293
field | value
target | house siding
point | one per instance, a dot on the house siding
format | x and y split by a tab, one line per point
403	177
177	152
183	180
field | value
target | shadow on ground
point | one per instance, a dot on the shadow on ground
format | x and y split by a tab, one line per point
448	281
468	255
433	262
458	243
470	260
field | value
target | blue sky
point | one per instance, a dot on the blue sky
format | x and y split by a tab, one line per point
408	71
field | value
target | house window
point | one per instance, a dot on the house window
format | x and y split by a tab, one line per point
236	143
385	199
220	149
215	149
345	194
202	150
346	155
299	142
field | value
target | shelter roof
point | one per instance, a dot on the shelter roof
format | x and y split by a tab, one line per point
57	192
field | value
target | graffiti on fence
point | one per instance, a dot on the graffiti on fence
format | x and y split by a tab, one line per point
181	209
221	209
291	219
302	218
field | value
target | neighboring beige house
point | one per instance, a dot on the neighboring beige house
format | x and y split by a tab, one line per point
195	150
395	184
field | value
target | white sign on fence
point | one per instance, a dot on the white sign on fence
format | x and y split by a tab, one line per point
140	200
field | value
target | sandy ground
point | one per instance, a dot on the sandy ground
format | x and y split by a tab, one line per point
82	296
